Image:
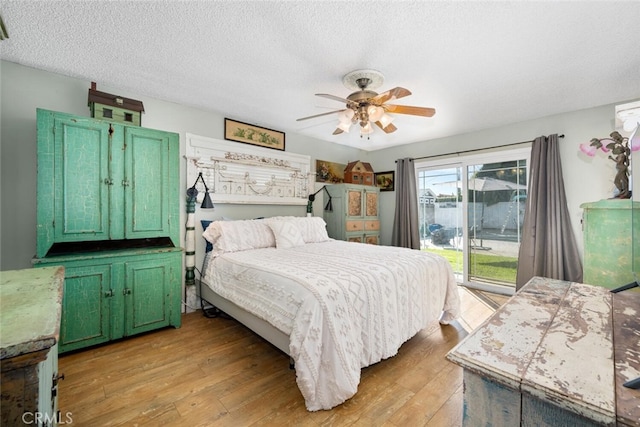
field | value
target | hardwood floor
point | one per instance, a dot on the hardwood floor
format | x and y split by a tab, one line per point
215	372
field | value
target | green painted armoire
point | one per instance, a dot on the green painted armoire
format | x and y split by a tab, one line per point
354	217
108	210
608	229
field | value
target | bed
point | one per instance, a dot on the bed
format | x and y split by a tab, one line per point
334	307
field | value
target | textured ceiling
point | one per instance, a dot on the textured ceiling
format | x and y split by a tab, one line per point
480	64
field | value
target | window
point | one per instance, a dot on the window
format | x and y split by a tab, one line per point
471	211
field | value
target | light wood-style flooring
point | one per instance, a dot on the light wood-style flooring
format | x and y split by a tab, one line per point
215	372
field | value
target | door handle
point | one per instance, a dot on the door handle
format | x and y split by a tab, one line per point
109	293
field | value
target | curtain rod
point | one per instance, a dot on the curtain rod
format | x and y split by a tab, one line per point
476	149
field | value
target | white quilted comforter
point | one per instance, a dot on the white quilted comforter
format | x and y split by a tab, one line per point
344	305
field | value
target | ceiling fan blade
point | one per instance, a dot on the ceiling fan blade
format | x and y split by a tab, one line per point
407	109
389	129
395	93
318	115
338	131
335	98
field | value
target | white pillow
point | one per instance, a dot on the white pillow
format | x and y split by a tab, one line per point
212	232
242	235
313	229
287	234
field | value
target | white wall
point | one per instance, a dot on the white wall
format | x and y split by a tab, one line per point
24	89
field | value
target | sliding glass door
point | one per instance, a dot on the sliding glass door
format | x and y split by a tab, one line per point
471	212
440	213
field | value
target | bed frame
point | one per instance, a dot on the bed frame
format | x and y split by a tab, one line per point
267	331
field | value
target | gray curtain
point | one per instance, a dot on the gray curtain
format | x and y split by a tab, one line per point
548	247
406	233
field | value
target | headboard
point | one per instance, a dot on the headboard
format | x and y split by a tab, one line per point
242	173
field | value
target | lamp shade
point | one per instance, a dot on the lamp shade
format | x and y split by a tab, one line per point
344	126
346	115
385	120
375	112
206	202
366	129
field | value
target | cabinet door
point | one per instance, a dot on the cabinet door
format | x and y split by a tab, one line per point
73	179
371	203
150	184
86	306
354	202
152	292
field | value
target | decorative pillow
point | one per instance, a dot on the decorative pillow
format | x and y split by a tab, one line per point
233	236
205	223
287	234
212	233
313	229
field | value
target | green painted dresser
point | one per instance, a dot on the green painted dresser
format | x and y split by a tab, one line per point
108	210
607	232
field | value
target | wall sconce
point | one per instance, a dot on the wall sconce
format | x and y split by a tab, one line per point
192	193
312	198
190	235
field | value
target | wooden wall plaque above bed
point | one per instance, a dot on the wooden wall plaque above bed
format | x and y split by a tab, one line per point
241	173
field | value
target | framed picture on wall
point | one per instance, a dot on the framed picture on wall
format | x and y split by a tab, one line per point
385	180
250	134
329	171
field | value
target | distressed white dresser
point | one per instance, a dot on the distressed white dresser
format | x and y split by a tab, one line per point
556	354
30	310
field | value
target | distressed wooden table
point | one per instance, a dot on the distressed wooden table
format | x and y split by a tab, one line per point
547	357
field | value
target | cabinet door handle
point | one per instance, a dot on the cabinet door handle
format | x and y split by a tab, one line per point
57	378
108	181
126	292
125	183
109	293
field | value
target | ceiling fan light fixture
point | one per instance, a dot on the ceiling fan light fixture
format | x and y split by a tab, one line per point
366	129
375	112
346	116
385	120
344	126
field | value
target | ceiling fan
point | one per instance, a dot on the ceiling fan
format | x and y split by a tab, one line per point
364	106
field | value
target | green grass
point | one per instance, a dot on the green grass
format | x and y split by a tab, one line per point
492	268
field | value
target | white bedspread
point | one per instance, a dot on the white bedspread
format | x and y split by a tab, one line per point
344	305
